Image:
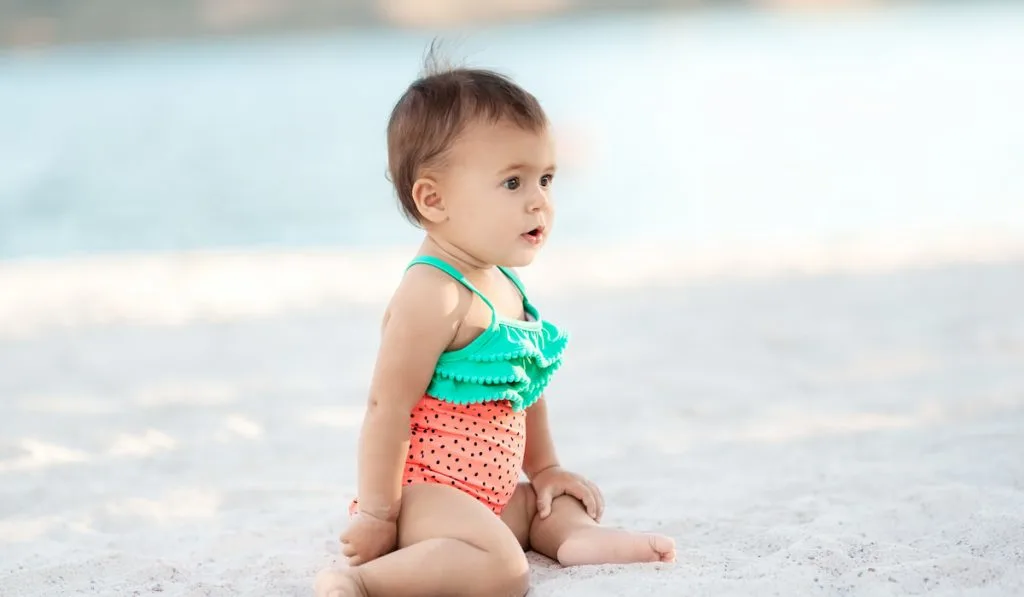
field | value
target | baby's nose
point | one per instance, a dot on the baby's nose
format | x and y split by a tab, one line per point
539	199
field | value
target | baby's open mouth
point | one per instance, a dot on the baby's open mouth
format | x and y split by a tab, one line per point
534	235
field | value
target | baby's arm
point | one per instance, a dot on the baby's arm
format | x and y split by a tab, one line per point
540	447
549	479
420	323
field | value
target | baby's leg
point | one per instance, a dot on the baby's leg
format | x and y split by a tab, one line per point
448	544
519	512
572	537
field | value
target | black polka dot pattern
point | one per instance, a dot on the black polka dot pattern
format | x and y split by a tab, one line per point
476	448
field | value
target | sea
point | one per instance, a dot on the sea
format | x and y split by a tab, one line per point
713	130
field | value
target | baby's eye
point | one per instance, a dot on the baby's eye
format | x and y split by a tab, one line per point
512	183
545	181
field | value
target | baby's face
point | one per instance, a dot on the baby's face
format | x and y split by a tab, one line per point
496	186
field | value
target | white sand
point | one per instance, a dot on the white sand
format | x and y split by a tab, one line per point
858	431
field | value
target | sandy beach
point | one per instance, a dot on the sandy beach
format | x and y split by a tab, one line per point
817	430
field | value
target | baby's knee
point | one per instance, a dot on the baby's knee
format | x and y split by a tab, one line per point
508	569
511	574
333	581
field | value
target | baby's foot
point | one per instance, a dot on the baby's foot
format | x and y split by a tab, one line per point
599	545
332	582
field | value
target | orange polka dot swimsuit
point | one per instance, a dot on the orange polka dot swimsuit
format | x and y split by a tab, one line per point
476	448
469	429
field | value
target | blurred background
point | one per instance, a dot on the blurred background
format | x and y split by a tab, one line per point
152	126
704	129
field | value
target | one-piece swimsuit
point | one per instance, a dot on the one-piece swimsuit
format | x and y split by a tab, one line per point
468	431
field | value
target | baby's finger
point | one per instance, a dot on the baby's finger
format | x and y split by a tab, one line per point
583	493
544	497
599	498
348	550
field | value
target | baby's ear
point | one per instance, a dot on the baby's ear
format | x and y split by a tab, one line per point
426	194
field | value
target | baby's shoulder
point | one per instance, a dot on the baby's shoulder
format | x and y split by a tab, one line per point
426	292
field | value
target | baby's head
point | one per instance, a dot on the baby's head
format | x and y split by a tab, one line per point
472	160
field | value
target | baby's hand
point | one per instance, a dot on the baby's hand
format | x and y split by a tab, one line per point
367	538
555	481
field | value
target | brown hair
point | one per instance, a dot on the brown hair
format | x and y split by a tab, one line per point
435	109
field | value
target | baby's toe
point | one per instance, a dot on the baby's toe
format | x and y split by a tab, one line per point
665	547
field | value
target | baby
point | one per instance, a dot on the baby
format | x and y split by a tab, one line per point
457	408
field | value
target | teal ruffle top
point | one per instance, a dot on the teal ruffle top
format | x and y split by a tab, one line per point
511	360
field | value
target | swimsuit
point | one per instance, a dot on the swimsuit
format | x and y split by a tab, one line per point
469	429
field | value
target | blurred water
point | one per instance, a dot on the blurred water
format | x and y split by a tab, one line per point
708	130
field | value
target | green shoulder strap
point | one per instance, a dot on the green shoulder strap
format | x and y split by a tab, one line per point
457	275
515	280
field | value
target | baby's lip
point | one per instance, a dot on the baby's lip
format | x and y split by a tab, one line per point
534	235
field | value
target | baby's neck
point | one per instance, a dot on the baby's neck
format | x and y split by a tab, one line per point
458	258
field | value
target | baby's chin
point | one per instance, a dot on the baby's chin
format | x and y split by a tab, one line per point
521	260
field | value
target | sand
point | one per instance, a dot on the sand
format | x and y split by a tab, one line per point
799	431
